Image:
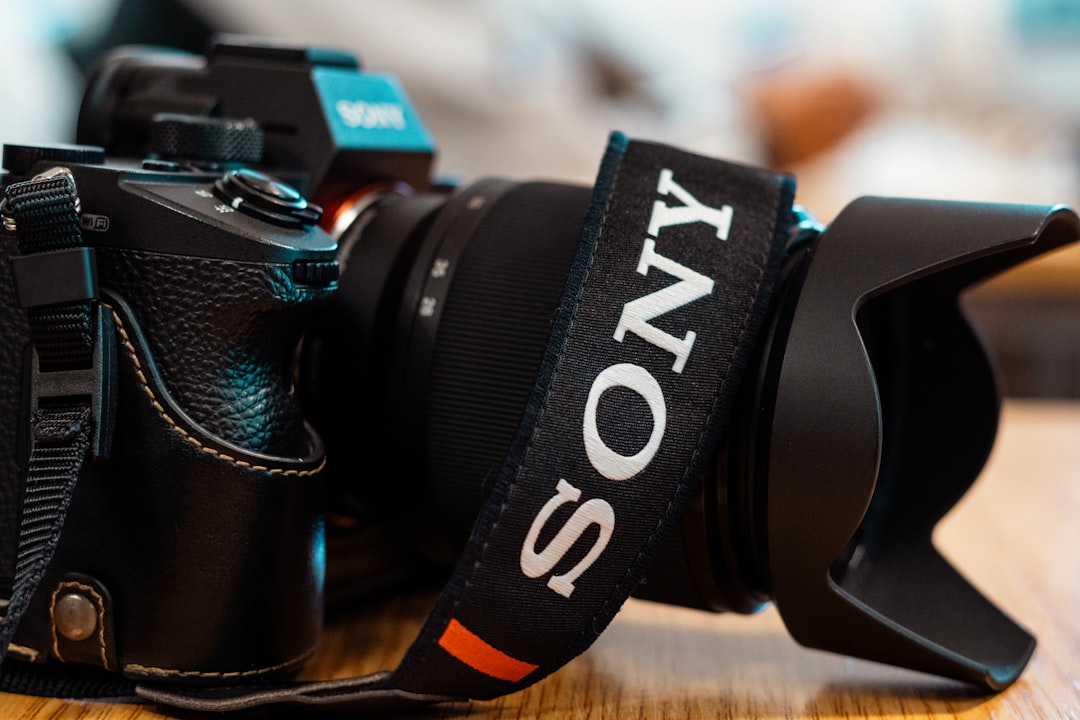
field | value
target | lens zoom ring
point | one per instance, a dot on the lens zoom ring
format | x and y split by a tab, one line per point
493	334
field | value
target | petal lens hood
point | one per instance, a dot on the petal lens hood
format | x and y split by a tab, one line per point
885	410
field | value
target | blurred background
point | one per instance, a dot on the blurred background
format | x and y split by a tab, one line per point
957	99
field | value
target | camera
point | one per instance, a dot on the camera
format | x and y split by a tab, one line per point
263	267
175	323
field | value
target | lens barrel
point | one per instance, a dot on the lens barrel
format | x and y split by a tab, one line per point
427	359
872	410
430	352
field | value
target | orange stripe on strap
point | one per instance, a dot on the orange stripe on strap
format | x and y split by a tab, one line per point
471	649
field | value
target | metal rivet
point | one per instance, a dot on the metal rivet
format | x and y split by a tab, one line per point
75	616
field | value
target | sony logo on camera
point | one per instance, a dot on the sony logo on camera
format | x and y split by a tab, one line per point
371	115
634	318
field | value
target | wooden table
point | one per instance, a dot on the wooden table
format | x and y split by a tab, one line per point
1016	535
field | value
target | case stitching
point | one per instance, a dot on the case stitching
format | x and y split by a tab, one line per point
99	601
166	672
125	338
29	653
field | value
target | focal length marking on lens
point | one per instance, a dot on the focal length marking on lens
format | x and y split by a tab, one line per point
439	271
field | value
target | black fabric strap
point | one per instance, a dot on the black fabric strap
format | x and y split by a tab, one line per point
47	219
62	336
61	438
44	212
666	300
65	680
668	296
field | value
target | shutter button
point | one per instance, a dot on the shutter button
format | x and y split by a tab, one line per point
267	199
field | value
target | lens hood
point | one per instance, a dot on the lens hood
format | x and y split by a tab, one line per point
885	410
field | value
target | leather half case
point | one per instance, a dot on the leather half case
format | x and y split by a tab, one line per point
204	561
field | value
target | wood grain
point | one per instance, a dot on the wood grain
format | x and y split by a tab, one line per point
1015	535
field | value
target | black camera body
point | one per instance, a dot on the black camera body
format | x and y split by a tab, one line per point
205	502
194	549
325	126
197	537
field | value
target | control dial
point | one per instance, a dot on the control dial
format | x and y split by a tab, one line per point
193	137
267	199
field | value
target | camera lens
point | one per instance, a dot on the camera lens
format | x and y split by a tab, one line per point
427	358
418	375
825	491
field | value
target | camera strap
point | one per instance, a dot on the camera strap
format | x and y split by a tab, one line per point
667	298
70	370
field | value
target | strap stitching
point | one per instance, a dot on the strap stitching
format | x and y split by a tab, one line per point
762	262
571	325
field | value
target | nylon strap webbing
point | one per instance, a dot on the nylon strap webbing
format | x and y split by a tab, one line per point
667	298
47	220
61	438
61	428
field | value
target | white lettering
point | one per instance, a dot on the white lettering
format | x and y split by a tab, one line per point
371	115
592	512
637	313
690	211
604	460
635	317
439	268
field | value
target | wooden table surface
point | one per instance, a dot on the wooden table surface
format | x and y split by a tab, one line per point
1016	535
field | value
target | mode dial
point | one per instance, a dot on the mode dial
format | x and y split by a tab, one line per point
266	198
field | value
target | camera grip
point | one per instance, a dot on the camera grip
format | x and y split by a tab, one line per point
205	561
223	334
